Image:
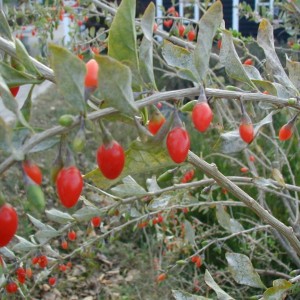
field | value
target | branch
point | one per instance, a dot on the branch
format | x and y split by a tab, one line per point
212	171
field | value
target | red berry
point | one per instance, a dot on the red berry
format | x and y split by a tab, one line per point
185	210
248	62
11	287
246	132
14	90
69	185
71	16
161	277
69	264
52	281
219	44
266	93
160	218
111	159
64	244
285	132
171	10
21	274
252	158
196	259
43	261
155	26
35	260
191	35
178	144
181	29
202	116
72	235
156	121
244	169
91	77
188	176
33	171
8	224
96	221
168	23
62	268
142	224
79	23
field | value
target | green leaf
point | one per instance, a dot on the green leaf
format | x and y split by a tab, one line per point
279	290
5	136
181	295
5	30
265	39
115	85
266	86
38	224
122	43
208	25
252	72
58	216
69	73
146	47
242	270
221	295
230	59
86	213
138	160
294	72
23	245
128	188
10	103
35	199
45	235
226	222
161	202
189	232
24	57
14	77
45	145
182	59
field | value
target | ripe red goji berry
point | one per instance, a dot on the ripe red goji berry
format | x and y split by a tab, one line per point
181	29
252	158
285	132
91	77
64	245
191	35
79	23
248	62
246	128
155	26
219	44
72	235
35	260
156	120
62	268
188	176
171	10
69	185
14	90
111	159
168	23
202	116
21	275
69	264
11	287
43	261
142	224
33	171
96	221
8	224
185	210
178	144
244	169
161	277
52	281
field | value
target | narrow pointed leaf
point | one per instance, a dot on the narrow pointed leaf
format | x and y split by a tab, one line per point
265	39
278	291
182	59
128	188
122	43
294	71
86	213
226	222
242	270
23	245
230	59
208	25
189	232
14	77
5	30
115	85
69	73
58	216
221	295
24	57
146	47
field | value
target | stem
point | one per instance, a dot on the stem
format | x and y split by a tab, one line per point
211	170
